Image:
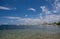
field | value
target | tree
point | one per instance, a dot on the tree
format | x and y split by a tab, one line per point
58	23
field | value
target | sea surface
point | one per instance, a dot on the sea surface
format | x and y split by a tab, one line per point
31	32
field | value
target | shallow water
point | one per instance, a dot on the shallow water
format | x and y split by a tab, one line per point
35	32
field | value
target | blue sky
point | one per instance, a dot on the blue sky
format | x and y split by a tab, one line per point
29	11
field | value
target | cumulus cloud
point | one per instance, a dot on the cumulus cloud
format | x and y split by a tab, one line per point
6	8
31	9
24	21
48	13
52	18
45	10
34	21
56	6
49	17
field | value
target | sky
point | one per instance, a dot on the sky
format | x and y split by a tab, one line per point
29	11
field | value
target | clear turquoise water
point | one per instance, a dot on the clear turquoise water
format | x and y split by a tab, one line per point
35	32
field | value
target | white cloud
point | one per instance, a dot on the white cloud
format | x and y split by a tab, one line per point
32	9
34	21
52	18
45	10
26	15
12	17
6	8
49	17
56	6
25	21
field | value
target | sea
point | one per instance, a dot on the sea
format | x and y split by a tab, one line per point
30	32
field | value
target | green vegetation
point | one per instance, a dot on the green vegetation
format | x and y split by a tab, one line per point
57	23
